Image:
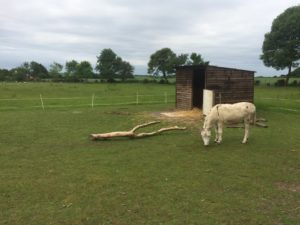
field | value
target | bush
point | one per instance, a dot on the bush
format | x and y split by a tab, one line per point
296	72
280	83
257	82
294	83
163	81
111	80
145	81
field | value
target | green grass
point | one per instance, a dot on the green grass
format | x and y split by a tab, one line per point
52	173
278	99
264	81
59	95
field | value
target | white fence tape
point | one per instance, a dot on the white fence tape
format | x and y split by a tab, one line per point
91	101
281	99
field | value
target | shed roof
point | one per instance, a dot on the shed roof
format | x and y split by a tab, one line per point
211	66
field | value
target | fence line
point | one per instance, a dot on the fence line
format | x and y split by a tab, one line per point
281	99
71	98
32	99
91	101
42	102
93	98
286	109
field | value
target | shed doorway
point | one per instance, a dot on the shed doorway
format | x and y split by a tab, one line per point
198	86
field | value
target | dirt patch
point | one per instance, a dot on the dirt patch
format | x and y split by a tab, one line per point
119	113
295	187
184	116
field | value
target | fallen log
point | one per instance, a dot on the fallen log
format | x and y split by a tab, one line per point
131	133
235	126
260	119
260	124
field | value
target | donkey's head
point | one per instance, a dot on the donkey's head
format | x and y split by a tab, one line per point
206	133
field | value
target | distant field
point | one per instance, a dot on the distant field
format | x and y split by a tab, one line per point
271	80
52	173
65	95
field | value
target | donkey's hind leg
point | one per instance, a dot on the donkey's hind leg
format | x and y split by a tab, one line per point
246	135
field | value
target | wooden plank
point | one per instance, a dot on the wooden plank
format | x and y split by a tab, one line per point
260	124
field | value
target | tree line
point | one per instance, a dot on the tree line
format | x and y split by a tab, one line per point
34	71
109	67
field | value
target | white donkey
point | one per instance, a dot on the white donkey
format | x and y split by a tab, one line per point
228	113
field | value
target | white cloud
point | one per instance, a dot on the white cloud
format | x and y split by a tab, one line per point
227	33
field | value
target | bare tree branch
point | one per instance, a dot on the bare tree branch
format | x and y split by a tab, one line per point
131	134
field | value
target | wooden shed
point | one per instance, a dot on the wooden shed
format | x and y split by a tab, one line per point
224	85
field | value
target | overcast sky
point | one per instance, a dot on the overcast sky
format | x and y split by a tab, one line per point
227	33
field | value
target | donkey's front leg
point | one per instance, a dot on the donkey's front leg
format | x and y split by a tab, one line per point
216	133
247	127
220	132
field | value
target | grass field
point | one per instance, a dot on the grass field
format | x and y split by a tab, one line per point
16	96
270	81
52	173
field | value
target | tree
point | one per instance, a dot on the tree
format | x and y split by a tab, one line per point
37	70
111	66
4	74
55	70
30	71
25	72
281	46
165	60
181	59
71	68
296	72
162	61
76	71
196	59
84	70
106	64
19	74
125	70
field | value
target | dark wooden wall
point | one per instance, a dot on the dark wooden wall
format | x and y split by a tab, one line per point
229	85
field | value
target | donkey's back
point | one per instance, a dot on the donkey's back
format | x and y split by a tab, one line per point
236	112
